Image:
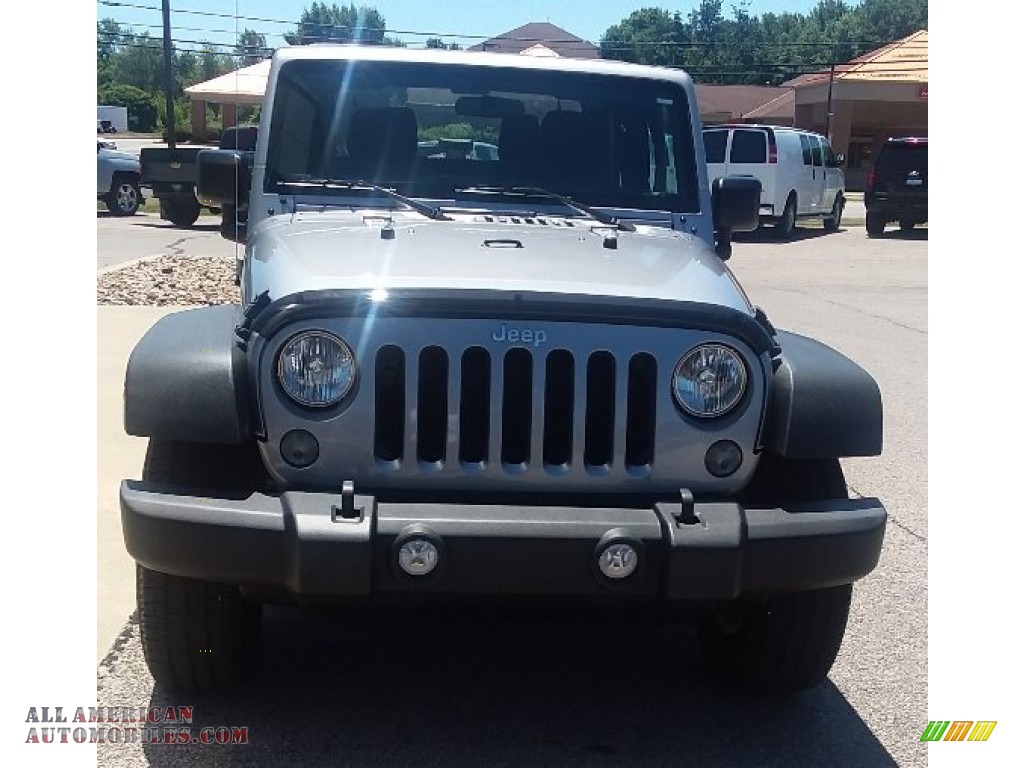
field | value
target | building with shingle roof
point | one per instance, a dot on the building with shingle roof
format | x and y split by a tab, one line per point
863	102
543	34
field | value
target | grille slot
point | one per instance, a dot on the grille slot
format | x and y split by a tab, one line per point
641	412
600	418
558	403
474	405
389	392
517	407
432	405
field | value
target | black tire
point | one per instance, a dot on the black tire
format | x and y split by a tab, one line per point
779	644
183	211
832	221
124	197
198	635
875	225
906	225
786	223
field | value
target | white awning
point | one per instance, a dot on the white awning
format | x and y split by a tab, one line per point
243	86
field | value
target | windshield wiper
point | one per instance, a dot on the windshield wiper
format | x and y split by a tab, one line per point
568	202
430	211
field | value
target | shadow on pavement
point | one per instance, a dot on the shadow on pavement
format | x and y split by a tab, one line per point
917	233
767	235
522	689
213	226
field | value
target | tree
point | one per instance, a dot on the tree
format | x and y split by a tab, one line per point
142	110
322	23
109	36
139	62
251	48
634	38
213	62
438	43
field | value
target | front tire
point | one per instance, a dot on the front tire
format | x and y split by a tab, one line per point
124	197
786	223
779	644
831	222
198	635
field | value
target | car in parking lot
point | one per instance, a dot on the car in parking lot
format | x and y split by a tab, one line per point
800	175
896	188
525	377
117	180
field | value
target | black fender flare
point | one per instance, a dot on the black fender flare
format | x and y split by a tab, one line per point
822	404
187	380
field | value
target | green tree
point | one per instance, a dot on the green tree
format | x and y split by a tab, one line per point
251	48
322	23
635	38
213	62
142	109
139	61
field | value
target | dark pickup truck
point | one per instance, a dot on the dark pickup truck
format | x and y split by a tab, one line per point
172	174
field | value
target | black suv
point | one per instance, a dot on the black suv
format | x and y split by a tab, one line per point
897	185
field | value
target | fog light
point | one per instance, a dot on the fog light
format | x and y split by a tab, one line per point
299	448
723	458
418	557
617	561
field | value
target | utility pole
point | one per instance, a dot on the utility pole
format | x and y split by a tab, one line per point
168	74
828	108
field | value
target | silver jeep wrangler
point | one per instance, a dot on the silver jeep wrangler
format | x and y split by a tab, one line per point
525	374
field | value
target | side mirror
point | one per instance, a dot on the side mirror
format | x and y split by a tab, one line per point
840	159
736	207
234	225
225	177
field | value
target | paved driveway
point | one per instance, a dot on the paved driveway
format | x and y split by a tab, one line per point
486	690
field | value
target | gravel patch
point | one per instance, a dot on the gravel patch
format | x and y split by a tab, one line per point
170	280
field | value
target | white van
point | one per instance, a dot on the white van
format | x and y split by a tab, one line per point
800	175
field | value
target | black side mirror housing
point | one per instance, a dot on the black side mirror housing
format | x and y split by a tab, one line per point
736	207
225	177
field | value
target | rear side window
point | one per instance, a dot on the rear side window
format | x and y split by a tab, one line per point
830	157
714	146
815	149
903	158
805	148
748	147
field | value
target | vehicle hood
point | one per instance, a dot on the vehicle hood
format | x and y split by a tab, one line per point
115	154
352	250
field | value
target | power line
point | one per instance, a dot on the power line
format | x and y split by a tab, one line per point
626	44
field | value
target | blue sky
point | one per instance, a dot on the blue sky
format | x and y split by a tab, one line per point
586	18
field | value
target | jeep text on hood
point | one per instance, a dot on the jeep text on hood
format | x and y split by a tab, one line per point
487	349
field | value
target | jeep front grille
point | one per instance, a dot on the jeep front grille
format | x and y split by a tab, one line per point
523	409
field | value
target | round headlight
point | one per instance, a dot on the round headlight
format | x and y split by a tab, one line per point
316	369
709	380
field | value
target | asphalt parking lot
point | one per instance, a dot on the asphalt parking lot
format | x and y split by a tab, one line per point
530	690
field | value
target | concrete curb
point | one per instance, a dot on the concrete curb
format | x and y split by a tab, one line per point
129	263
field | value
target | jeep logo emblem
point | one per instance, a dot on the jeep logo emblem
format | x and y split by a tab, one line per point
520	335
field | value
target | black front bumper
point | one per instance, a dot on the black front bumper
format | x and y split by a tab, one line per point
321	544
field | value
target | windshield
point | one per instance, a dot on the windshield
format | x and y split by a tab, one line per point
429	130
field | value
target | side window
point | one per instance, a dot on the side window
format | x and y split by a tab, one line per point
815	150
714	146
829	155
748	147
805	147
